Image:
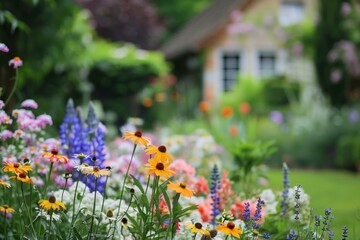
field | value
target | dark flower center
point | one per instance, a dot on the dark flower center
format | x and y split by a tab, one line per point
5	206
162	149
96	169
160	166
67	175
16	165
124	220
138	134
213	233
108	168
230	225
52	199
55	151
182	185
198	225
22	175
109	213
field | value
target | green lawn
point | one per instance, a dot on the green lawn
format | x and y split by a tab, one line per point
337	190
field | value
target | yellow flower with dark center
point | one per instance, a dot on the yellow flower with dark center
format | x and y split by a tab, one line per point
229	228
137	138
180	188
159	168
17	168
23	178
159	153
197	228
96	171
6	209
4	184
51	204
54	156
124	222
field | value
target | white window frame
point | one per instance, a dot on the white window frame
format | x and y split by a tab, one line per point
292	15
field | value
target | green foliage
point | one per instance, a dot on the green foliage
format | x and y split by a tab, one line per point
348	151
328	33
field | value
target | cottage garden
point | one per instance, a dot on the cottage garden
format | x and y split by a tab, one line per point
141	185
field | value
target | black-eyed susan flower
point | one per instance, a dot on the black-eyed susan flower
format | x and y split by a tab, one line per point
6	209
96	171
197	228
137	138
22	177
159	153
51	204
54	156
17	168
159	168
180	188
4	184
229	229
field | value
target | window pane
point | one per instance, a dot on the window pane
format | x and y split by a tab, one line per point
291	13
267	63
230	68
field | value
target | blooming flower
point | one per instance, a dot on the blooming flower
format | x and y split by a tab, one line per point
29	103
23	178
229	228
51	204
226	112
197	228
204	106
180	188
16	62
4	184
137	138
3	47
6	209
17	168
159	168
2	104
159	153
96	171
244	108
54	156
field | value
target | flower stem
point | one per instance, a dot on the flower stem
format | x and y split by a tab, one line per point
102	205
62	194
13	88
74	200
48	178
93	213
123	187
5	223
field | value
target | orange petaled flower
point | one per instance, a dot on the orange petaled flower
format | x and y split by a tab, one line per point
54	156
159	168
23	178
17	168
229	228
137	138
227	112
51	204
6	209
204	106
96	171
244	108
197	228
4	184
233	131
180	188
159	153
147	102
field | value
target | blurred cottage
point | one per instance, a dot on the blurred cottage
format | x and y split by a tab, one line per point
242	37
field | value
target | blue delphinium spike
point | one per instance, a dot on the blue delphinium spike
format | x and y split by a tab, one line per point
293	235
344	233
246	214
215	184
257	214
285	192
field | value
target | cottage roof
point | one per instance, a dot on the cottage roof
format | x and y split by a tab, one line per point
201	27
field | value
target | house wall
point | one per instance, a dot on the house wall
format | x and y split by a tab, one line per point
249	44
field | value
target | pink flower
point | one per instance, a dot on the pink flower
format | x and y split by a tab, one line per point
4	118
5	135
181	167
201	186
3	47
225	192
345	9
205	210
29	103
335	75
44	120
16	62
2	104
